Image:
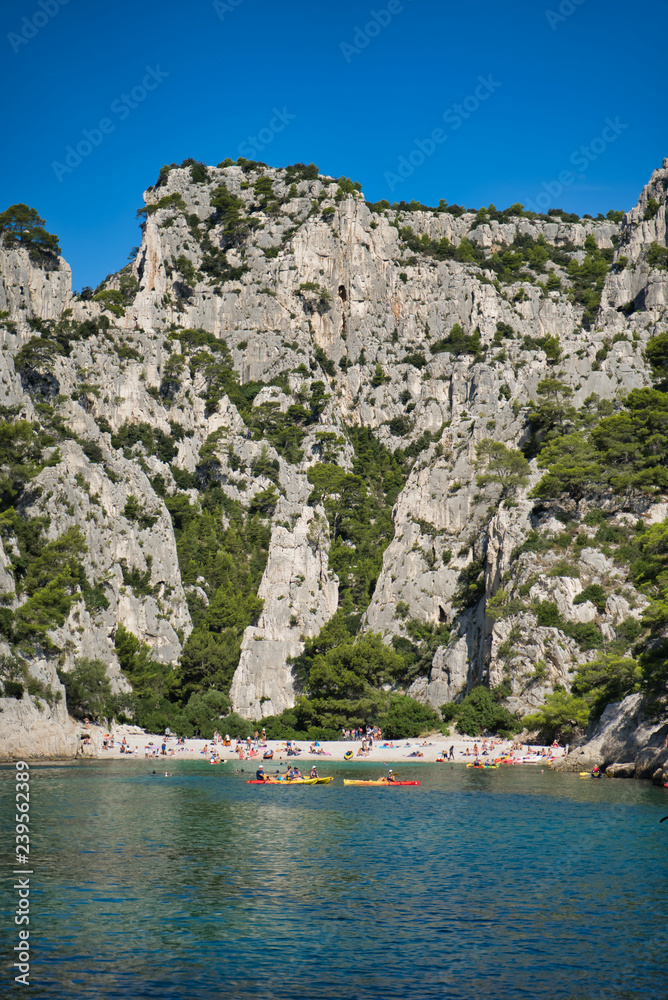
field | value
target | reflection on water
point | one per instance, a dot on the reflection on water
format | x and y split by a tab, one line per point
492	886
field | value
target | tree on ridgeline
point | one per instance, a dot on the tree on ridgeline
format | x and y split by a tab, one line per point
22	226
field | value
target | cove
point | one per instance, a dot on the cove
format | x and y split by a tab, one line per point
473	886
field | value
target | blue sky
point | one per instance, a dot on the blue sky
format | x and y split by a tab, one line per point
359	88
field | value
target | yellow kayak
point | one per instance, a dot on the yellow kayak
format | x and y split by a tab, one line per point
291	781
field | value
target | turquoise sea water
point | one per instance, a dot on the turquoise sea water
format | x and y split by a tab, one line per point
474	886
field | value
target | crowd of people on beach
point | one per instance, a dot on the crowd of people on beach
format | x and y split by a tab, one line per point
368	733
483	752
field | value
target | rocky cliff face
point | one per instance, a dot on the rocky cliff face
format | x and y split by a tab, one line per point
628	742
305	282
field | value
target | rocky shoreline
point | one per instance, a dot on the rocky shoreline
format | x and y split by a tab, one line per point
627	742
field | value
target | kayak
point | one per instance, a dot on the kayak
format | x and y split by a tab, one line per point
293	781
483	767
381	781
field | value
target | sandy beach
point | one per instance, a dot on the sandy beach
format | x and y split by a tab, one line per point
426	750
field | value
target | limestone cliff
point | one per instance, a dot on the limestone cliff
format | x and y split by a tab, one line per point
199	363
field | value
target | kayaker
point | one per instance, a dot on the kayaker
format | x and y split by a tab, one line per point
391	776
314	771
293	774
259	774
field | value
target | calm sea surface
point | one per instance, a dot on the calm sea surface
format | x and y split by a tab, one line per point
475	886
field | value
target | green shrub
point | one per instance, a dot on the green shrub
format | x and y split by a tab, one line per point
406	717
113	300
400	426
502	606
187	269
652	208
458	342
594	593
609	533
88	690
481	712
606	679
204	709
657	256
471	585
630	629
548	615
534	542
560	717
587	635
416	360
13	689
565	569
595	517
